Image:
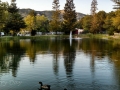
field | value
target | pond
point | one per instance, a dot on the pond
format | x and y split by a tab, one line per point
79	64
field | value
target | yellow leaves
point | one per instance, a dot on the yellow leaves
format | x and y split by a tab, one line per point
40	20
117	13
116	20
33	22
29	20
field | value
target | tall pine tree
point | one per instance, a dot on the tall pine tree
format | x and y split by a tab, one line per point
69	16
13	8
55	22
117	2
94	23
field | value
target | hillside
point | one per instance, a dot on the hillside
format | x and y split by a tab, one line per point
48	14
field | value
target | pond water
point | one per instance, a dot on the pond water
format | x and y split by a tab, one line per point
83	64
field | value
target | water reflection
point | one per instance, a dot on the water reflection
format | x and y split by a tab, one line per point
11	53
103	54
55	47
69	53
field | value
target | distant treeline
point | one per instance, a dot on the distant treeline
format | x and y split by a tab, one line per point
104	22
14	20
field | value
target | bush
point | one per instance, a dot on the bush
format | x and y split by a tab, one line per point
111	31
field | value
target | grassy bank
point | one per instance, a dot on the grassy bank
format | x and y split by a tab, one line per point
97	36
101	36
7	38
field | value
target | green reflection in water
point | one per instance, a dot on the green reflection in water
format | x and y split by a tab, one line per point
12	51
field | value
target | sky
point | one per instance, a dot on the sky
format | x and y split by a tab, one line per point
82	6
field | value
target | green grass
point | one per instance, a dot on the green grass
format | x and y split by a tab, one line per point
97	36
101	36
7	38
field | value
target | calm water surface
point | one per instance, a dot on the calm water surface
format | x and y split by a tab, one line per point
80	64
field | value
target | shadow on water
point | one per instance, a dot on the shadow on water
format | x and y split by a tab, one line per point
98	52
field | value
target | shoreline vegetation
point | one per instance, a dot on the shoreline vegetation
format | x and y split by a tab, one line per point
116	36
95	36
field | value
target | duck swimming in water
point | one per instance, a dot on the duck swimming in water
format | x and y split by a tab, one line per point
45	87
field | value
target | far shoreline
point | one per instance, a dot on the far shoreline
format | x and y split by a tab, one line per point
95	36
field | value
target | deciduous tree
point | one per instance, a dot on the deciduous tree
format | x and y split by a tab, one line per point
87	23
30	21
42	23
101	16
3	14
109	23
116	20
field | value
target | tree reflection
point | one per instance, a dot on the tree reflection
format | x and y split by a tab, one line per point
31	51
69	53
99	49
55	48
12	51
2	54
12	56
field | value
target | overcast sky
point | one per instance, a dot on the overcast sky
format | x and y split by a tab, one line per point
82	6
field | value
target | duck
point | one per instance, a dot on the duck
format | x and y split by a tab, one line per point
45	87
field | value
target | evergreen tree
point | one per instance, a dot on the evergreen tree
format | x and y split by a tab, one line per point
117	2
15	20
56	5
55	22
94	23
69	16
13	8
94	7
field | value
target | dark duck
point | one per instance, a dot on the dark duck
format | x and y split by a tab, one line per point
45	87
